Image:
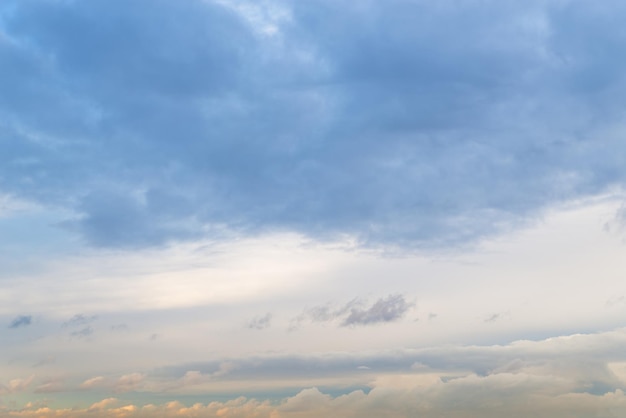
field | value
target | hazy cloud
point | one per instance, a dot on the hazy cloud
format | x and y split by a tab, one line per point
79	320
16	385
51	386
128	382
119	327
260	322
83	332
21	321
45	361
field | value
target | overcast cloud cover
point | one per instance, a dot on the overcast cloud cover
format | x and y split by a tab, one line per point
401	207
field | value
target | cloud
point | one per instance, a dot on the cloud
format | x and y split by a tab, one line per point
81	325
83	332
45	361
21	321
581	359
497	316
51	386
103	404
16	385
260	322
380	123
488	397
388	309
79	320
357	312
568	376
119	327
92	382
128	382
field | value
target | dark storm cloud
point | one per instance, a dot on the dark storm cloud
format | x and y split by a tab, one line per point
409	123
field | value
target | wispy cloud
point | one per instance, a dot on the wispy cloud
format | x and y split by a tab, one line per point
261	322
51	386
128	382
83	332
21	321
357	312
16	385
79	320
494	317
92	382
388	309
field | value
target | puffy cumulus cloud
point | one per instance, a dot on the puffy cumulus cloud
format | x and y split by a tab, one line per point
357	312
567	376
476	397
107	408
405	122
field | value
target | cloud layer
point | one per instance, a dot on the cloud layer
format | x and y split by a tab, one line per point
569	376
374	120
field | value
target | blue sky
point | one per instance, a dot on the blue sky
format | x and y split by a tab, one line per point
327	208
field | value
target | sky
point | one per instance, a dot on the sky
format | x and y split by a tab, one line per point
320	208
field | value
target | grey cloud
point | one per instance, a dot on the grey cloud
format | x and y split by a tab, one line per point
497	316
387	309
582	359
260	322
79	320
358	312
374	120
83	332
21	321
